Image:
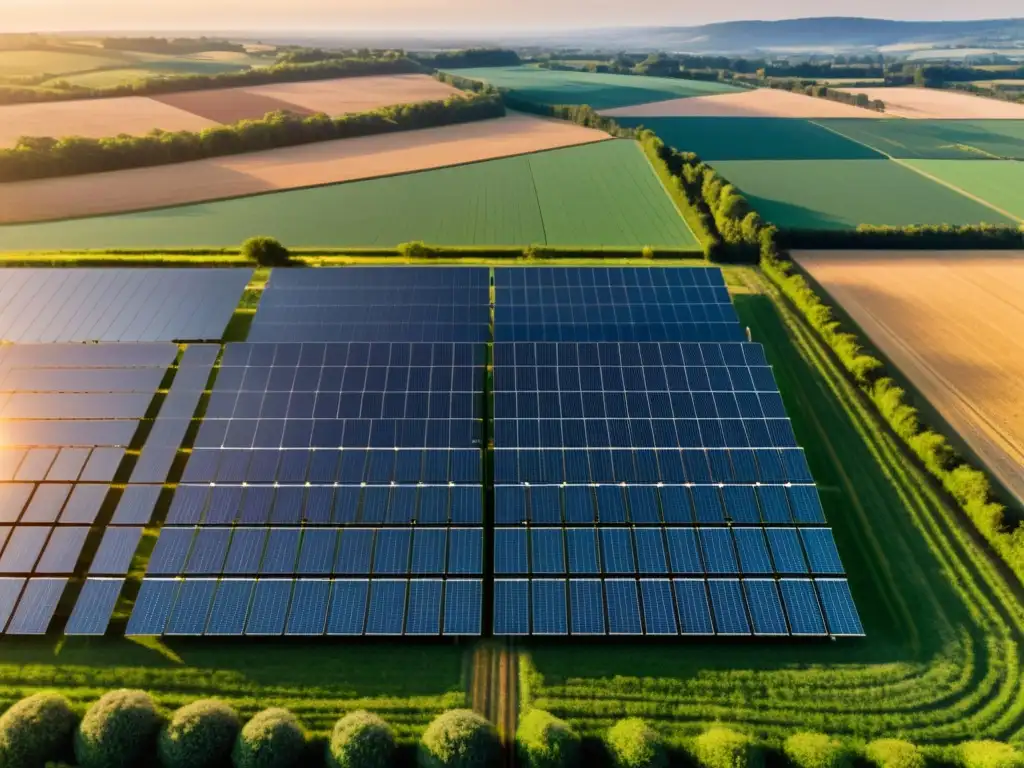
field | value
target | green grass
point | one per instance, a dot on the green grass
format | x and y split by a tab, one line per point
999	182
406	683
600	91
752	138
26	63
936	139
603	194
941	659
842	194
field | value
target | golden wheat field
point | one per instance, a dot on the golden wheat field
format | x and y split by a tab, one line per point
953	323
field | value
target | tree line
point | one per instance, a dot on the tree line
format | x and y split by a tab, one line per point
128	729
171	46
278	73
824	92
472	57
40	157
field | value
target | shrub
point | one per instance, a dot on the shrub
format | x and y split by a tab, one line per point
265	251
36	730
894	753
647	252
416	249
634	744
361	740
816	750
989	754
118	731
544	741
725	748
199	735
458	738
272	739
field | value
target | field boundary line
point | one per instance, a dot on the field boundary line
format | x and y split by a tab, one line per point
920	172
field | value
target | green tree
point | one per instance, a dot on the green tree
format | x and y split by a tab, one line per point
118	731
265	251
725	748
544	741
361	740
459	738
894	753
816	750
37	730
989	754
199	735
634	744
273	738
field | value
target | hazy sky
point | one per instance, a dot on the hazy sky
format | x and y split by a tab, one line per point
26	15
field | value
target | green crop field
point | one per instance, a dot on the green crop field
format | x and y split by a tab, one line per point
31	62
999	182
600	91
597	195
752	138
842	194
936	139
941	657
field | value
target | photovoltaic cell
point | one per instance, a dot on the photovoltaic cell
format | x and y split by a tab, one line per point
10	589
586	607
802	608
310	601
191	607
94	607
511	607
623	607
230	607
463	600
386	614
36	606
348	607
269	608
765	607
424	616
659	608
729	610
840	611
549	607
694	609
152	607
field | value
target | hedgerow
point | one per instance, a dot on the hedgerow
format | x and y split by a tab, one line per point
544	741
273	738
37	730
199	735
361	740
118	731
459	739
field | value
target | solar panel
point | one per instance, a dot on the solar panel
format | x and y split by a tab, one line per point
659	608
36	607
348	607
582	547
386	613
10	590
623	607
424	615
511	607
269	608
62	550
152	607
728	606
463	600
802	608
94	607
170	551
765	607
821	551
230	607
310	601
549	607
586	607
693	607
840	611
136	505
23	549
191	607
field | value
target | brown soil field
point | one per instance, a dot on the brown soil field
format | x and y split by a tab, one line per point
290	168
925	103
95	119
228	106
951	322
762	102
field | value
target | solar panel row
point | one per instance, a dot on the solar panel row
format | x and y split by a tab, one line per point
327	505
27	605
762	607
313	551
664	550
658	504
118	305
48	503
340	433
349	607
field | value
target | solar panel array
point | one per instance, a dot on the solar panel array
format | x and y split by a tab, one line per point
647	479
125	305
68	413
336	483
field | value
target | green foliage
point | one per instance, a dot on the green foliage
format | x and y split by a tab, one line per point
273	738
199	735
725	748
37	730
118	731
894	753
415	249
459	738
361	740
634	744
473	57
265	251
923	237
816	750
544	741
44	157
989	754
647	252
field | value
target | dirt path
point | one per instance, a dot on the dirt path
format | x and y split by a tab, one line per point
494	691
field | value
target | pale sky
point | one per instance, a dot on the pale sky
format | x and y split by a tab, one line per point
408	15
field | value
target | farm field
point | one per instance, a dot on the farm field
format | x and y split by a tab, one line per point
193	111
945	105
937	139
603	194
288	168
27	63
600	91
842	194
759	102
949	322
940	658
999	182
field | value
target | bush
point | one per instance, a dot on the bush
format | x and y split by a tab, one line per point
894	753
36	730
989	754
416	249
647	252
544	741
458	738
118	731
634	744
725	748
816	750
265	251
272	739
199	735
361	740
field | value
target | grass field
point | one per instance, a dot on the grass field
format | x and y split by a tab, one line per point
937	139
941	657
31	62
753	138
842	194
603	194
598	90
1000	182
